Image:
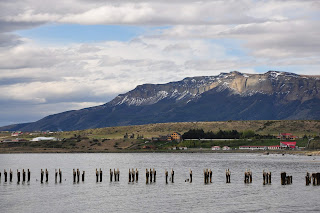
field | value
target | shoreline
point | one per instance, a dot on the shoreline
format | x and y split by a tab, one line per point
263	152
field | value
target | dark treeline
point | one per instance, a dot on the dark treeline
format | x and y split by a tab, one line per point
221	134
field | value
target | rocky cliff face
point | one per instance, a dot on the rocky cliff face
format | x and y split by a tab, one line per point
229	96
288	86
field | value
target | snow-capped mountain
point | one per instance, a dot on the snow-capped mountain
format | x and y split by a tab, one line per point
273	95
293	86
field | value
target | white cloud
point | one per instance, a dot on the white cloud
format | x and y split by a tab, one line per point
202	38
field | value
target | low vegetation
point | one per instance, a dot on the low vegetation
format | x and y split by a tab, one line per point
139	138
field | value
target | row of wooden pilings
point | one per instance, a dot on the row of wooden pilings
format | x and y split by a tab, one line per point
315	178
151	174
25	175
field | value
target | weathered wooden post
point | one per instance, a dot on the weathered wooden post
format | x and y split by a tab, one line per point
264	177
129	175
166	174
83	173
151	174
269	177
283	178
210	173
97	175
228	174
78	175
172	176
55	175
18	176
205	176
60	176
42	173
111	175
133	174
47	175
74	175
118	174
307	179
154	175
190	171
23	176
250	176
318	178
137	174
147	176
10	175
100	174
29	175
5	175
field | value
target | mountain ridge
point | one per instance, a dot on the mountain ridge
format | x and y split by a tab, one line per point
273	95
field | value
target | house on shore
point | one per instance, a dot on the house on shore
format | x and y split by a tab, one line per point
225	148
275	147
253	147
286	136
288	145
215	148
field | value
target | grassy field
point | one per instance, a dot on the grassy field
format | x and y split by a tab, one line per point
111	139
298	128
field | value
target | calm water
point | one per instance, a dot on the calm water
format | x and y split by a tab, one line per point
159	197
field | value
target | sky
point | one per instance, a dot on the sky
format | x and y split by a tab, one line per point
71	54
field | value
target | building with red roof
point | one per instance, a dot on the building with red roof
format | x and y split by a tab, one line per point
291	145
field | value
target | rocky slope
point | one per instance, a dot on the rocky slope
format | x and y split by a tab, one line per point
229	96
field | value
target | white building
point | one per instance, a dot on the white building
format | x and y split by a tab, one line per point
226	148
215	148
44	139
254	147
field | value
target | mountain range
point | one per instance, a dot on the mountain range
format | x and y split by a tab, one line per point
273	95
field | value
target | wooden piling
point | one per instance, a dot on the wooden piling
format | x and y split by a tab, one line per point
264	174
111	175
18	176
97	175
210	174
118	174
129	176
151	174
137	175
154	175
228	176
83	173
190	171
23	176
147	176
78	175
285	180
74	175
29	175
269	178
100	171
55	175
172	176
10	175
60	176
115	174
133	174
308	179
41	178
5	175
47	175
166	174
